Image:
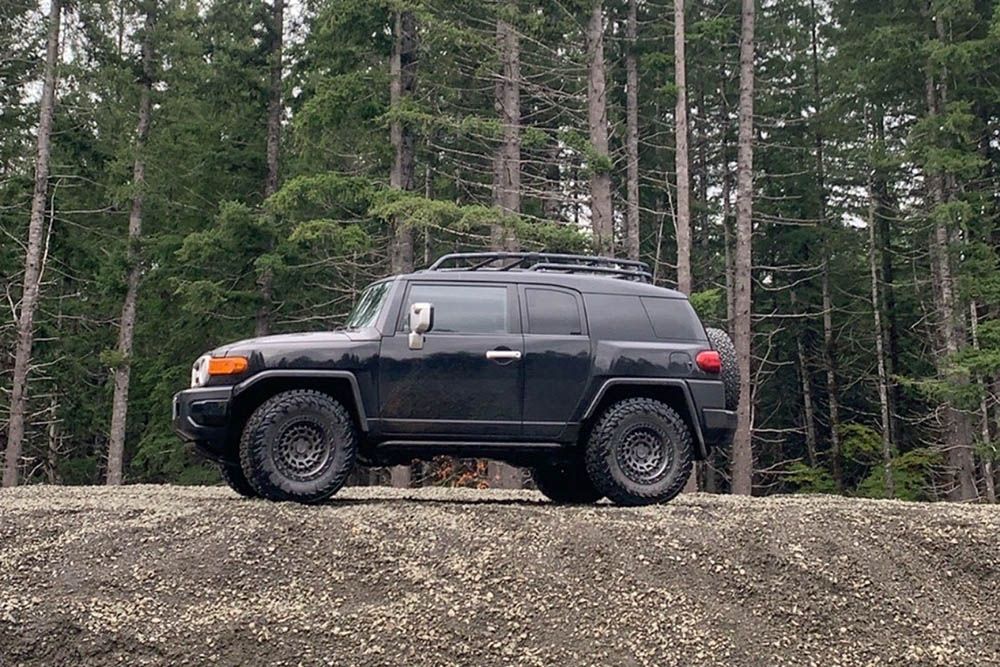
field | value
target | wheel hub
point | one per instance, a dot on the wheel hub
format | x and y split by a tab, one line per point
301	451
644	454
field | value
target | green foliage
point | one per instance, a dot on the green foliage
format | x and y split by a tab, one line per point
710	305
809	479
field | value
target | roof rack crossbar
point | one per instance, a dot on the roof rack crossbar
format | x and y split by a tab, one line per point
624	273
545	261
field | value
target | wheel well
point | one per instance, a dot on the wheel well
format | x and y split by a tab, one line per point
672	395
254	396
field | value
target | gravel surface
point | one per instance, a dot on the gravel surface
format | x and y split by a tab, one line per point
170	575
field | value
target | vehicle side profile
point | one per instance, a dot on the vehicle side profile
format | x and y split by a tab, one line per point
574	366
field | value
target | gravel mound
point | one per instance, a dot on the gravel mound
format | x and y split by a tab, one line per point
169	575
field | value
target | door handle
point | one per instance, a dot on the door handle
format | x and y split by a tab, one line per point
501	355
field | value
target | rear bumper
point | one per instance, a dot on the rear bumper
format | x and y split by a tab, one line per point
718	426
201	416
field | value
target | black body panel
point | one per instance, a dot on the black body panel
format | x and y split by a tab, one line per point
618	337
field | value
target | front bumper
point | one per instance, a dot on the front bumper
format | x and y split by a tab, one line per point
201	416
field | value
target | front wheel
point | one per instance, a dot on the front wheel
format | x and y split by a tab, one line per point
639	452
298	445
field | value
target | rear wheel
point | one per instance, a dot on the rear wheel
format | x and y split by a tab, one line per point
639	452
232	474
565	482
298	445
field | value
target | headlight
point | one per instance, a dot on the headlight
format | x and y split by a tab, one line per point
208	366
199	372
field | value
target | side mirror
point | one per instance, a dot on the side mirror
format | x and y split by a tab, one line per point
421	321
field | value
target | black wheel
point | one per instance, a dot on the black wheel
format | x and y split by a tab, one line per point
298	445
639	452
232	474
565	482
723	344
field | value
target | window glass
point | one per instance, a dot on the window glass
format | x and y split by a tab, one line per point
462	308
367	308
673	318
552	312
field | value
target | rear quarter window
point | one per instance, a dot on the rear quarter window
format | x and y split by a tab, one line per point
673	319
617	317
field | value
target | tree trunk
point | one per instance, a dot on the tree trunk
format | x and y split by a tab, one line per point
681	137
957	441
597	116
507	161
833	399
402	86
808	409
403	72
33	257
126	330
829	354
742	472
53	453
265	283
986	464
632	134
883	378
507	180
274	102
727	221
884	213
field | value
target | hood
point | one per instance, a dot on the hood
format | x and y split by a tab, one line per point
305	339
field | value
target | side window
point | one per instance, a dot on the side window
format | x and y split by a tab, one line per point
472	309
552	312
673	318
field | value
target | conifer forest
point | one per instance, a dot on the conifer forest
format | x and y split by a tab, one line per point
822	177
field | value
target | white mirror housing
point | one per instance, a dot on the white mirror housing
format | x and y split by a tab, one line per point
421	320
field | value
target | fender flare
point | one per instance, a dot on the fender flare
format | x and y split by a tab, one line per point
321	374
693	416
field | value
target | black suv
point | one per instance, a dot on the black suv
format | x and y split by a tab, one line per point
574	366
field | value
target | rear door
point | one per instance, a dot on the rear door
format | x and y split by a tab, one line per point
557	358
467	380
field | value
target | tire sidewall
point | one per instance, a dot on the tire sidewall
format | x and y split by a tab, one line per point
266	426
602	460
723	344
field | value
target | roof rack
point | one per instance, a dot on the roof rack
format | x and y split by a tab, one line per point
627	269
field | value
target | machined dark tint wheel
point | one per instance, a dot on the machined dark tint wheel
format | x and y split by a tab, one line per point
298	445
639	452
301	451
644	453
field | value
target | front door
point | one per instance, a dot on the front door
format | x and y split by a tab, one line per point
466	381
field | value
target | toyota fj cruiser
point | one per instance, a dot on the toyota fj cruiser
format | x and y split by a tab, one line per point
574	366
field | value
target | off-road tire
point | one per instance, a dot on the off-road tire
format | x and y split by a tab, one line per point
614	440
232	475
565	482
723	344
269	447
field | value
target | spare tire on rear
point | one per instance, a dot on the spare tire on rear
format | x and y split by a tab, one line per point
723	344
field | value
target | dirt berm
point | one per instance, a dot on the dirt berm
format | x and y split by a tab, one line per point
167	575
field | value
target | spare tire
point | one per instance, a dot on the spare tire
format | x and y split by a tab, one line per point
723	344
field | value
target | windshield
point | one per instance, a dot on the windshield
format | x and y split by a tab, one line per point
367	308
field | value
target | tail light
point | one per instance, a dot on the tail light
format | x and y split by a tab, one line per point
709	361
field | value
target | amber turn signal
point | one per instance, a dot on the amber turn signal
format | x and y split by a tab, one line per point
227	365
